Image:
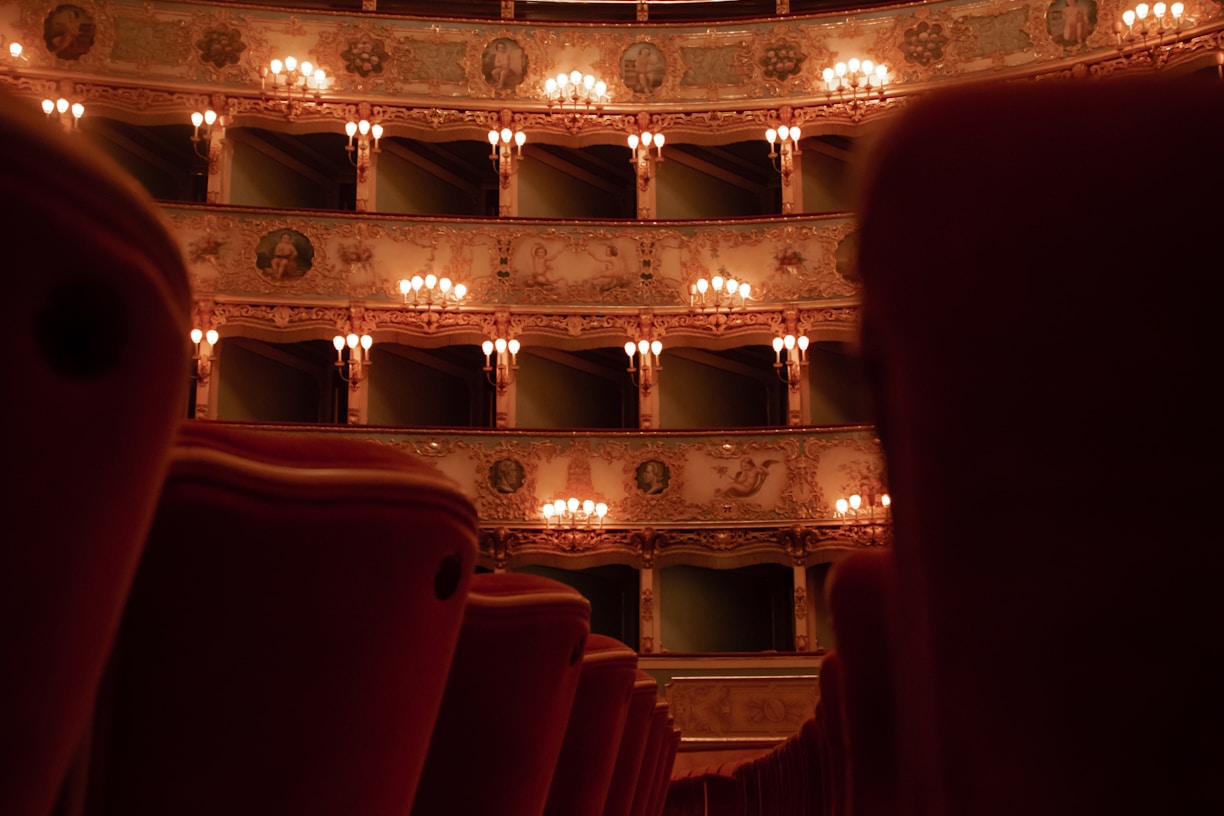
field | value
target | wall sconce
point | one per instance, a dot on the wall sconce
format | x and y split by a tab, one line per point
854	77
640	156
432	292
203	120
292	77
11	52
62	108
789	367
783	147
718	294
501	376
1139	25
854	508
574	513
500	154
204	343
647	363
359	153
354	371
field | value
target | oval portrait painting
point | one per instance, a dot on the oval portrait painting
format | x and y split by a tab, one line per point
284	254
652	477
504	64
69	31
506	475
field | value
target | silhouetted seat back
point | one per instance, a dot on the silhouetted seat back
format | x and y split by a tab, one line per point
289	632
508	698
596	727
1042	286
96	322
642	702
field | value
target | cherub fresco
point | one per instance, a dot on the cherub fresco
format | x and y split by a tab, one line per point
747	481
541	273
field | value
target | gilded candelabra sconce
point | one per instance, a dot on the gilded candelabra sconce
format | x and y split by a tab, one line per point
66	113
718	294
574	513
501	373
641	157
431	292
855	508
204	341
293	83
1147	26
856	78
203	121
575	94
359	146
644	371
783	148
355	369
790	358
505	159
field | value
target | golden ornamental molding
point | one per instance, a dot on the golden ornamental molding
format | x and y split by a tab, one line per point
509	547
143	60
286	321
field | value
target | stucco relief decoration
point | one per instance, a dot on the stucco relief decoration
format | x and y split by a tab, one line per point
436	60
284	255
1070	22
364	56
781	61
506	481
652	477
503	64
206	249
653	483
714	66
69	31
994	36
924	44
643	68
220	46
506	475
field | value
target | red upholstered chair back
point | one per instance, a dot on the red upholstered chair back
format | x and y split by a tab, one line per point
96	308
595	730
645	696
289	632
1041	318
671	746
508	698
857	592
653	759
830	722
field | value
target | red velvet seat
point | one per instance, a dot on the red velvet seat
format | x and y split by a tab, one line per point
656	763
830	729
508	698
629	757
1042	287
96	322
596	727
289	632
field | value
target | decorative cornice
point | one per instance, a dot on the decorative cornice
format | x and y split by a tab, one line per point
724	547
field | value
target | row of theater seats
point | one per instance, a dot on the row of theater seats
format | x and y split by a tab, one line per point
1041	324
202	619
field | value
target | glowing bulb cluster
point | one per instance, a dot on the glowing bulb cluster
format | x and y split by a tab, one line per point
576	87
782	134
854	74
365	129
574	511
